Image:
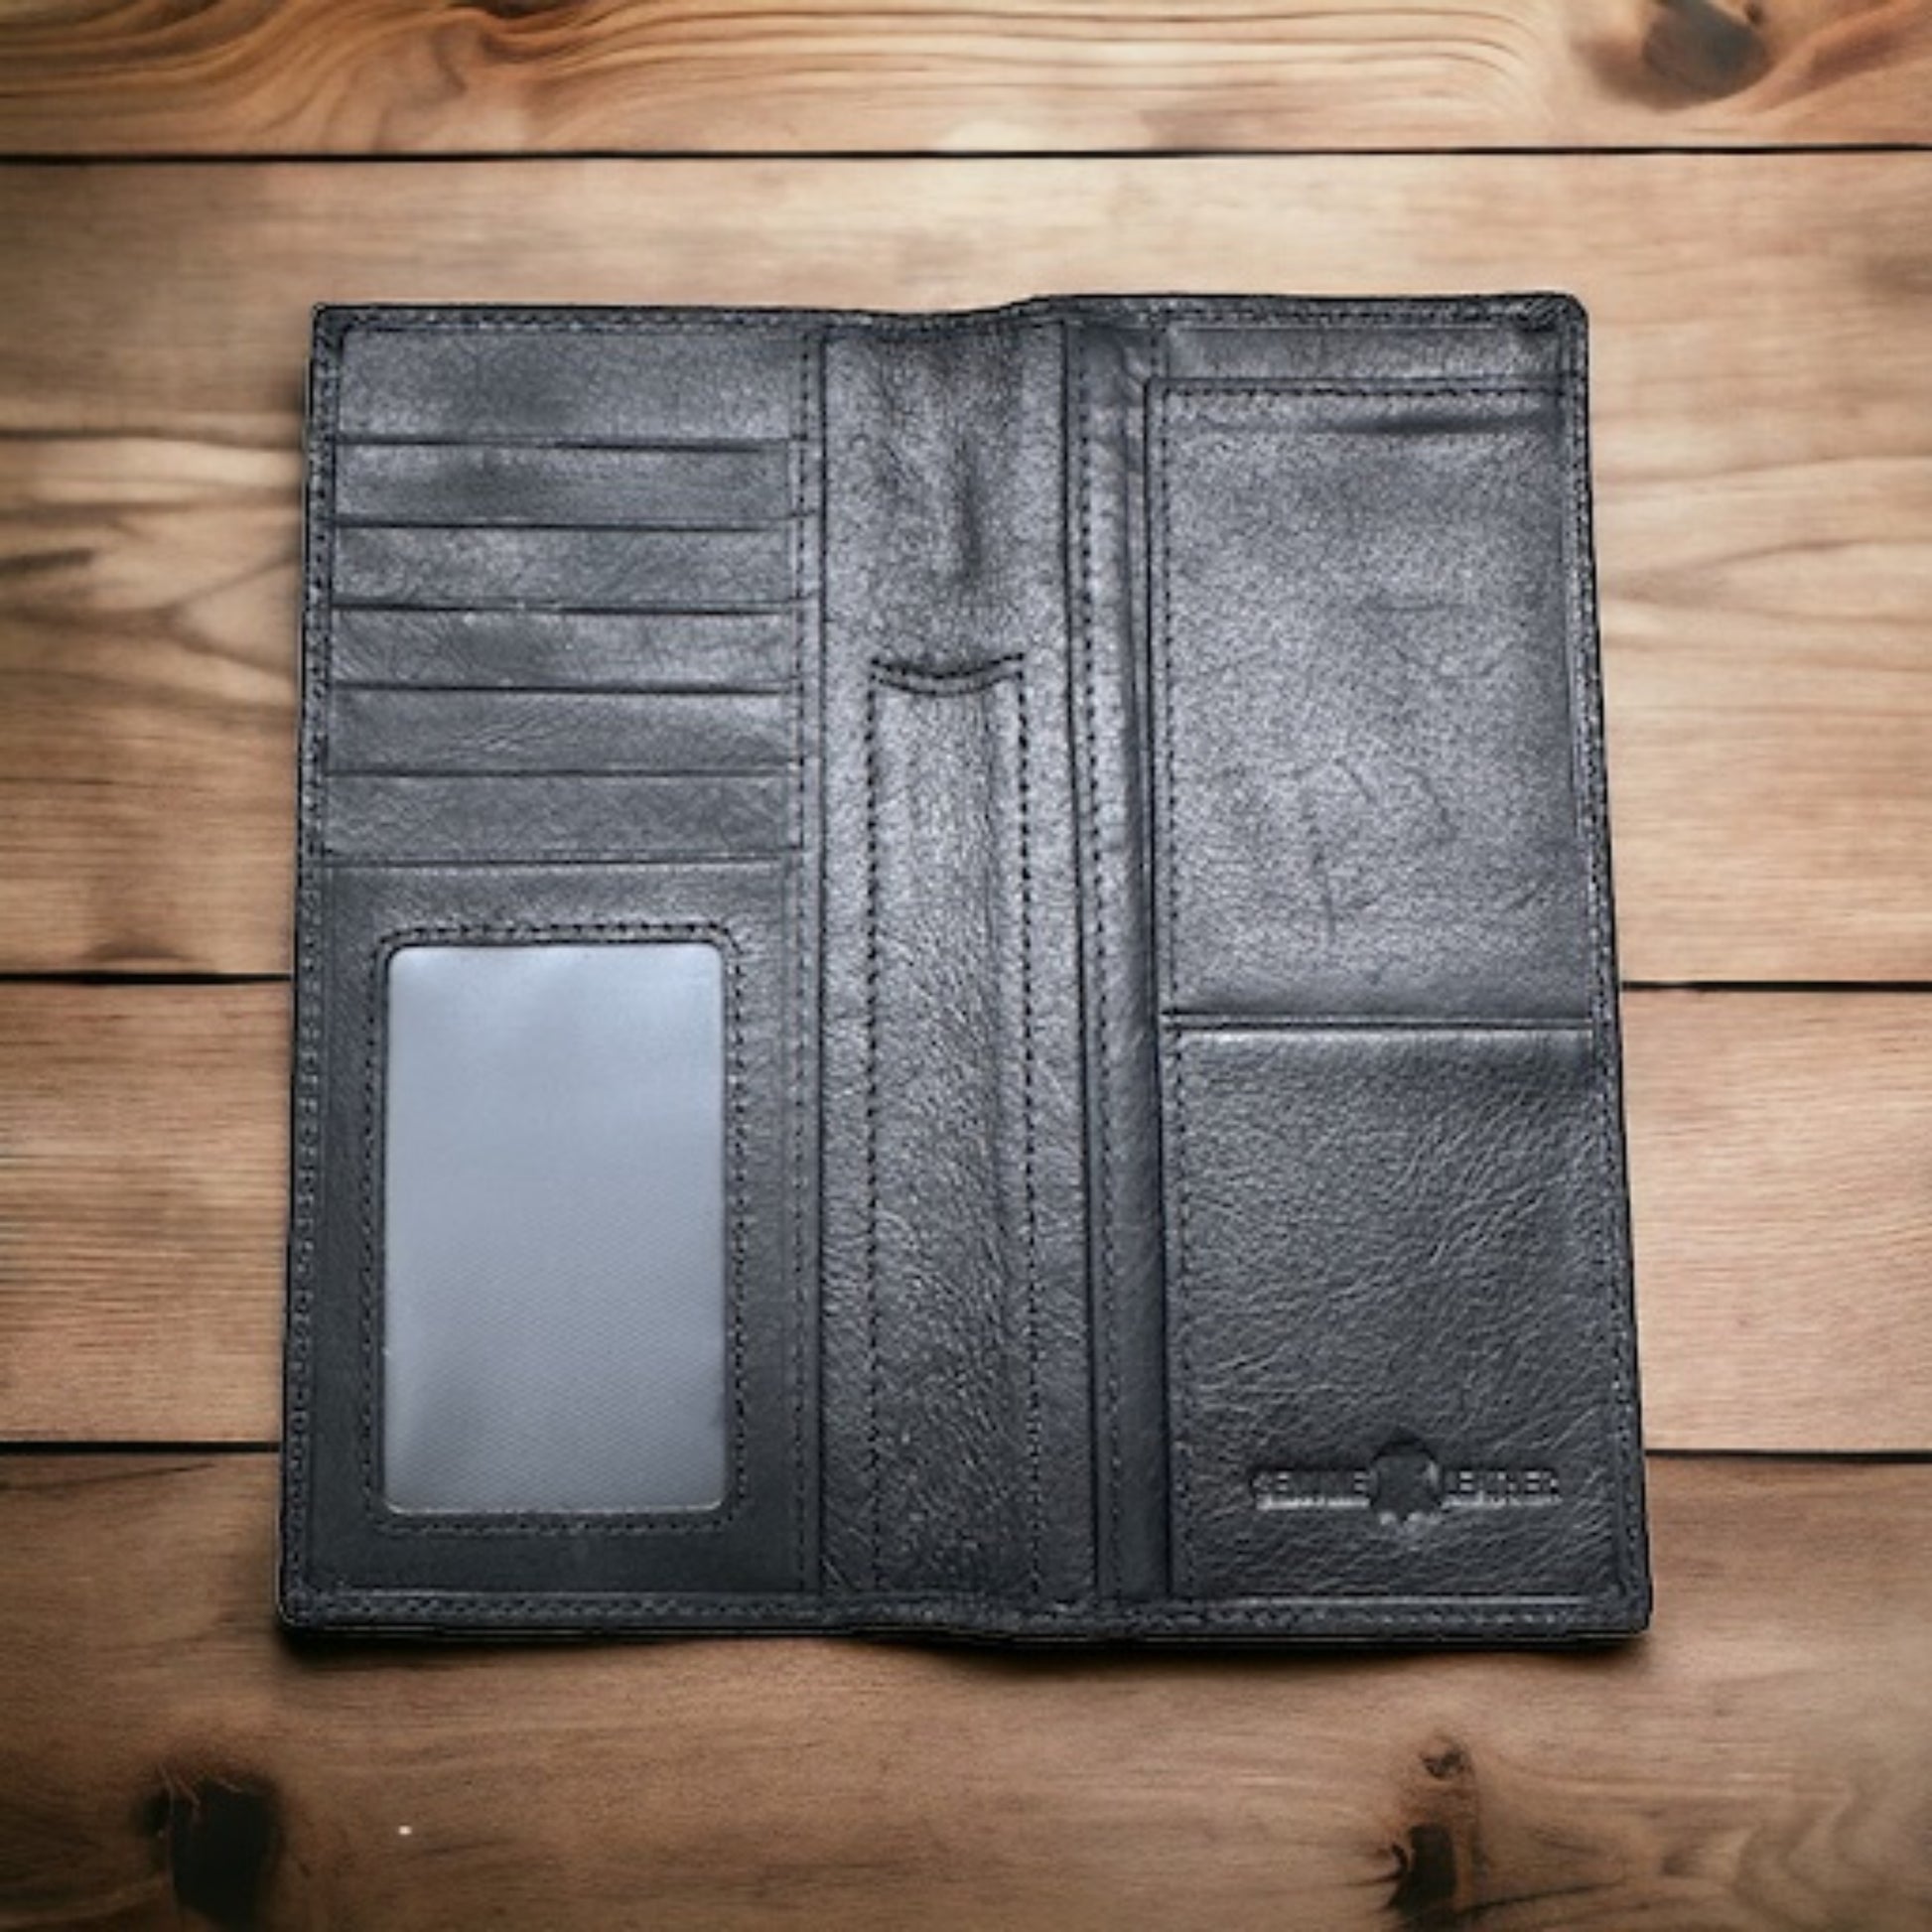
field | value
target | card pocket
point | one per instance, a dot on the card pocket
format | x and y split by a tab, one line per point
1394	1257
562	653
1363	700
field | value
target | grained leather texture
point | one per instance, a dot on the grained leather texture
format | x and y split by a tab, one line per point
1137	763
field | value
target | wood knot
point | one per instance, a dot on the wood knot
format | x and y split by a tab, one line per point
1428	1887
1707	47
217	1835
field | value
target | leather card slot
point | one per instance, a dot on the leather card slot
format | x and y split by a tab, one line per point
1391	1272
951	1404
698	486
1464	352
418	820
472	377
1366	659
544	650
571	568
424	732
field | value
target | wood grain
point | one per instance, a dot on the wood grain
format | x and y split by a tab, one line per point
142	1194
1762	1758
1783	1204
1783	1196
242	76
1764	454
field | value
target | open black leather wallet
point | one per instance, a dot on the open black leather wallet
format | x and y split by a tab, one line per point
955	974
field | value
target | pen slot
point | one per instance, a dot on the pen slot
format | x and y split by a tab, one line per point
951	1263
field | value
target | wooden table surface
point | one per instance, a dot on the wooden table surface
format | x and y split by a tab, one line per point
1741	193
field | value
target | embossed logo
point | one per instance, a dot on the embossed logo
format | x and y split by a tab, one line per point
1402	1480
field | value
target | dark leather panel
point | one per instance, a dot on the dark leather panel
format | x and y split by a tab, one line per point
425	733
566	818
597	381
1389	1245
1363	738
1141	763
521	568
952	1479
672	485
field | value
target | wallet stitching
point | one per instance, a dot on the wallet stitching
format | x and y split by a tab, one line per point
1170	1051
875	1504
306	1124
973	1613
582	1522
1096	915
1200	391
1542	313
795	1207
1614	1338
1029	1129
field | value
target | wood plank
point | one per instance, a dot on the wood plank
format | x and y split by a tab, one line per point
1764	411
317	76
1784	1215
142	1197
1784	1211
1763	1757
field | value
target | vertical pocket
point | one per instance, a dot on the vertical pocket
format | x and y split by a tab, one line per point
951	1263
549	1330
1397	1279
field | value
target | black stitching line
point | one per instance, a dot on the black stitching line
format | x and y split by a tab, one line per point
1030	1125
1104	1306
795	457
306	1106
437	1523
1614	1336
1539	312
1284	1617
945	681
874	1502
1172	1054
1197	393
817	1310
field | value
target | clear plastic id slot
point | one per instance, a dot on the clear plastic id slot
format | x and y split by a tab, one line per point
554	1249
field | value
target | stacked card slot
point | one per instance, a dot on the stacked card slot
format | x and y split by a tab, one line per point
560	653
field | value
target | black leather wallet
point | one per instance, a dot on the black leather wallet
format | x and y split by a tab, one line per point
954	973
